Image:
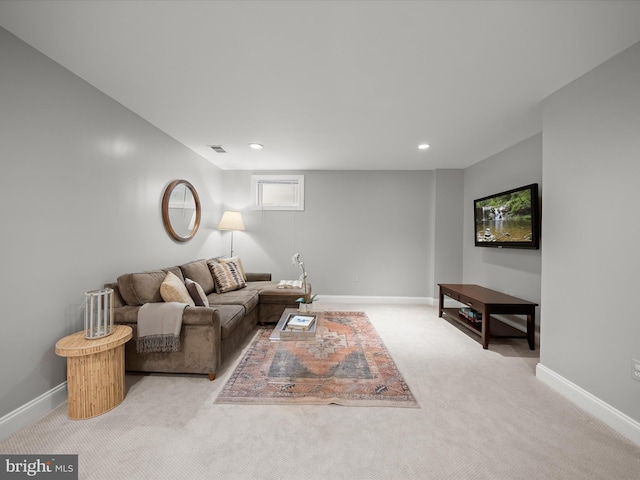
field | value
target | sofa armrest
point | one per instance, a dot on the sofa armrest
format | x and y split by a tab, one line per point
258	277
128	314
201	316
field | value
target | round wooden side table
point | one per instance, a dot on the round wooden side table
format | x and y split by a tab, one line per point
95	371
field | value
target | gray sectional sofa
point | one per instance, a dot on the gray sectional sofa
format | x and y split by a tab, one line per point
210	335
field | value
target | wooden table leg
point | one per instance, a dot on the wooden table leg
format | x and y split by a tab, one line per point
440	303
531	330
486	327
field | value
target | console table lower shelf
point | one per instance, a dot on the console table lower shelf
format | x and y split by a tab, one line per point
488	302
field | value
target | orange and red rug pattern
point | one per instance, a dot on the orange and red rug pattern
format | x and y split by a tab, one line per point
346	364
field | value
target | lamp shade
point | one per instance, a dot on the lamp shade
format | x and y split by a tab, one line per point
231	221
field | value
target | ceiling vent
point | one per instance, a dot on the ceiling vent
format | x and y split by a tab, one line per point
218	148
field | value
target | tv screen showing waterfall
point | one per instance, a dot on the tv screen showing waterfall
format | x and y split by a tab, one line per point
508	219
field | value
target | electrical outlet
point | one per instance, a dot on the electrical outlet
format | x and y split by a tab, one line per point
635	369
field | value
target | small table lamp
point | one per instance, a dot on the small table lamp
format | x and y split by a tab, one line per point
231	221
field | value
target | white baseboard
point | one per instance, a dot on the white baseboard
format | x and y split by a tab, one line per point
374	300
33	410
617	420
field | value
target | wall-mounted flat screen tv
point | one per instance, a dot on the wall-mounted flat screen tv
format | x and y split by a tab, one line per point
508	219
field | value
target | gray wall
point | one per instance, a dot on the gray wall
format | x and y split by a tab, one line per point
361	233
591	229
513	271
448	228
81	183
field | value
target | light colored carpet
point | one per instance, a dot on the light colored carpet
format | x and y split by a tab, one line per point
484	415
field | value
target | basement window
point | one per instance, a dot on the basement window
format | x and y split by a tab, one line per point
278	192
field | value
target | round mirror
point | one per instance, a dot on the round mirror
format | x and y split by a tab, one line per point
181	210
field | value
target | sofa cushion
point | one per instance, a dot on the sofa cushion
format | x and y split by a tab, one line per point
144	287
226	276
196	292
173	290
274	295
247	298
238	262
141	288
258	286
199	272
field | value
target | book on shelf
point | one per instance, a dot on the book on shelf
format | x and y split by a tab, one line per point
300	322
471	314
290	284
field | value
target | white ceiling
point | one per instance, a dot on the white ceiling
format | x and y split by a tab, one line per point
331	84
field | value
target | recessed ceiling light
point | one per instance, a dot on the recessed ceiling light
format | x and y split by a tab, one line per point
256	146
423	146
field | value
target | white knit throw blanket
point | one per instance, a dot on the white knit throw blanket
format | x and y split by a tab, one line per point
159	327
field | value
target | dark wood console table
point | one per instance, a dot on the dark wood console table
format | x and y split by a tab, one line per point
487	302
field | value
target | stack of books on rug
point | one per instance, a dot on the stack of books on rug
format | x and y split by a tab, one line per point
471	315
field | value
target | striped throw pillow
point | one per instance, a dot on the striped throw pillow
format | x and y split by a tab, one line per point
227	276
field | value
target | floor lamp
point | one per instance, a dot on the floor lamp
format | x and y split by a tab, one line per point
231	221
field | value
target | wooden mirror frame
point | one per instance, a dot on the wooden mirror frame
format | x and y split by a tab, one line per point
165	211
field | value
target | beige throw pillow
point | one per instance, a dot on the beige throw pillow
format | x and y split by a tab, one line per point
173	290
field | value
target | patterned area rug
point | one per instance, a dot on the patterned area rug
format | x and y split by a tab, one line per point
346	364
